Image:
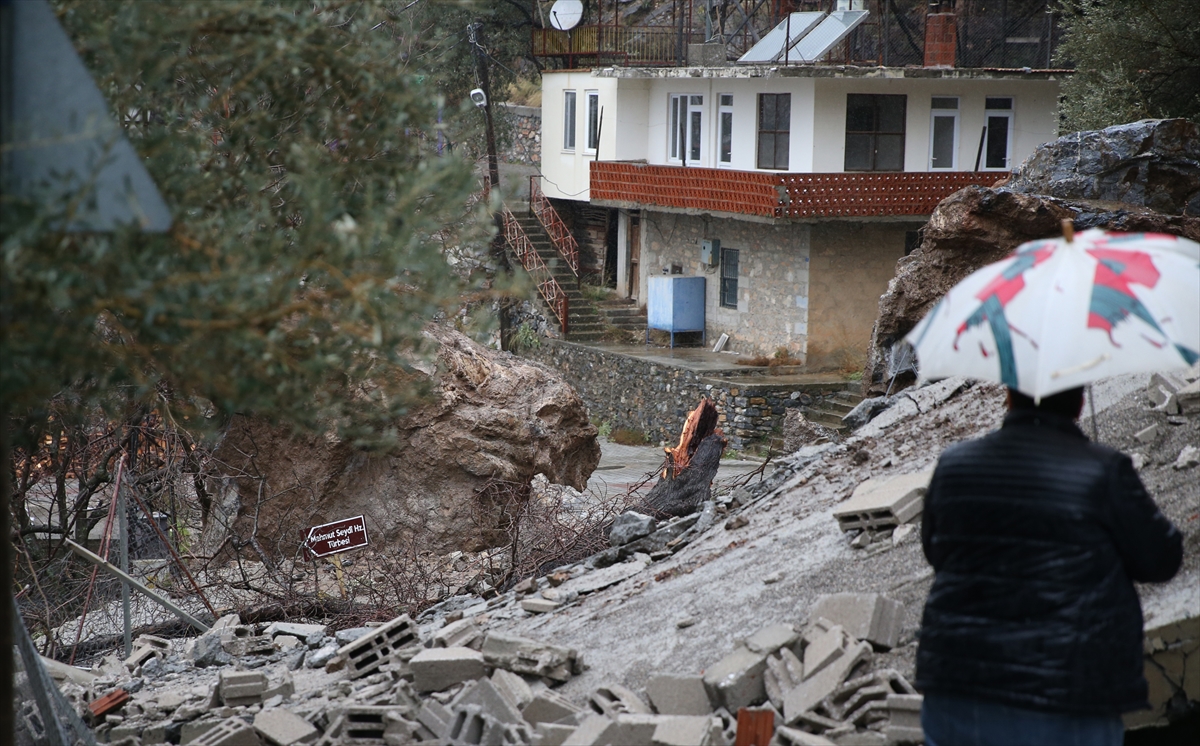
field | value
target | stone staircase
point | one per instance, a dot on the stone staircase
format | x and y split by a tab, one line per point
831	411
623	314
584	323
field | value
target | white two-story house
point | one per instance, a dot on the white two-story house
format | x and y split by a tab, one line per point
793	187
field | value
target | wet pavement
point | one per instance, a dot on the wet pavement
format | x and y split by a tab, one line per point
622	467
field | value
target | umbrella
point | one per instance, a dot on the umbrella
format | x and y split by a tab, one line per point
1062	313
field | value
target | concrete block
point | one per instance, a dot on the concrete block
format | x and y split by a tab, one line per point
811	691
630	526
904	710
539	605
634	728
795	737
1147	434
880	503
859	738
365	655
230	732
824	650
311	634
513	688
521	655
435	716
595	730
736	680
282	728
678	694
548	706
784	672
241	687
683	731
551	734
613	699
193	729
488	698
771	638
356	723
1189	398
866	616
461	634
435	669
472	727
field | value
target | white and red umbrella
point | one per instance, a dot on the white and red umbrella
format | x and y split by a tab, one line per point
1061	313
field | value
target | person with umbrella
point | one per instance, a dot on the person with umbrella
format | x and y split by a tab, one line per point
1032	632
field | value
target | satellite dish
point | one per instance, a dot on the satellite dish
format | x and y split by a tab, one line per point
566	14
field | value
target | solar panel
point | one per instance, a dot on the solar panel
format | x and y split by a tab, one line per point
817	43
792	29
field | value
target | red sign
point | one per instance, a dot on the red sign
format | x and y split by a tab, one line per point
339	536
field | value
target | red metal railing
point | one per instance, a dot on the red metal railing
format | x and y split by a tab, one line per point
560	234
779	195
548	287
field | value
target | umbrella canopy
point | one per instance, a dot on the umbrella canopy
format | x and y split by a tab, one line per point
1061	313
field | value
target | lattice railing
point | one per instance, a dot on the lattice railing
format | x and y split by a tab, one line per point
779	195
548	287
560	234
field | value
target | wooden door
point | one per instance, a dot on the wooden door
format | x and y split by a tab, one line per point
635	254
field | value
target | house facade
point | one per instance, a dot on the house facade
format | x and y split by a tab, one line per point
792	188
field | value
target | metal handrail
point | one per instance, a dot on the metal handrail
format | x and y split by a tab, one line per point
556	229
548	287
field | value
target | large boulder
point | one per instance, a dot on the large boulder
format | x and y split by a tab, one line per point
1082	176
492	419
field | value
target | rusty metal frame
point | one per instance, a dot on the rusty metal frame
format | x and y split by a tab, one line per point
548	287
556	229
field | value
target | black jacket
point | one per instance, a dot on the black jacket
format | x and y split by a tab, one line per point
1035	535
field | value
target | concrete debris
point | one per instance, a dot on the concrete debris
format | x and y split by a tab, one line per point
614	699
279	727
1148	433
520	655
367	653
678	694
1188	457
436	669
880	503
867	616
630	526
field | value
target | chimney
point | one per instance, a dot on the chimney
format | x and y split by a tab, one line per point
941	39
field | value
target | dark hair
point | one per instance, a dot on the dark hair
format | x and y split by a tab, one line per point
1066	403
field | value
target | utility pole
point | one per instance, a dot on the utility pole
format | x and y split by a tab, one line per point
498	250
7	607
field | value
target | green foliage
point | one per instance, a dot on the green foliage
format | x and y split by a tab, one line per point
1133	59
525	337
296	152
604	429
629	437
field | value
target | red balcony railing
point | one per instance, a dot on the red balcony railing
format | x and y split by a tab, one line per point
779	195
556	229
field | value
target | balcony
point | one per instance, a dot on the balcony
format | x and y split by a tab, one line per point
777	196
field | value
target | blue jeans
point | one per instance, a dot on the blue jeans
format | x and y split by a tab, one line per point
965	721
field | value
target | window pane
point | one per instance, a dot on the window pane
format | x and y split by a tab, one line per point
726	137
766	150
783	111
889	152
859	152
694	150
943	143
944	102
569	120
891	113
781	149
674	127
681	128
726	99
593	121
697	100
860	113
766	111
997	143
998	103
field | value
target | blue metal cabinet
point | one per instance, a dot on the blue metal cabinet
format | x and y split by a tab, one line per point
676	304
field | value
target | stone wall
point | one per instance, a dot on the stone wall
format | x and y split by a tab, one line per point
655	398
524	128
772	298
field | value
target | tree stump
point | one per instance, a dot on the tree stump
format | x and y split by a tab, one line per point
686	481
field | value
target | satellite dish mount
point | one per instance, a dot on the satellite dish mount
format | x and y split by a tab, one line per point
564	16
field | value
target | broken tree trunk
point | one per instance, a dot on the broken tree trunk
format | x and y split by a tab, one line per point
686	481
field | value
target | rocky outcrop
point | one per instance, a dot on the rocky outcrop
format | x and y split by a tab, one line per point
1137	177
492	417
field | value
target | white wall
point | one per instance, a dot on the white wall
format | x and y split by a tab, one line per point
566	171
1034	117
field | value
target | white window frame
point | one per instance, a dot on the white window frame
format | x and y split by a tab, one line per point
722	111
1010	115
680	149
592	124
569	120
934	114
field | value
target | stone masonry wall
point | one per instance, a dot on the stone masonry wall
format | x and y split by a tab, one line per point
643	395
773	292
525	133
